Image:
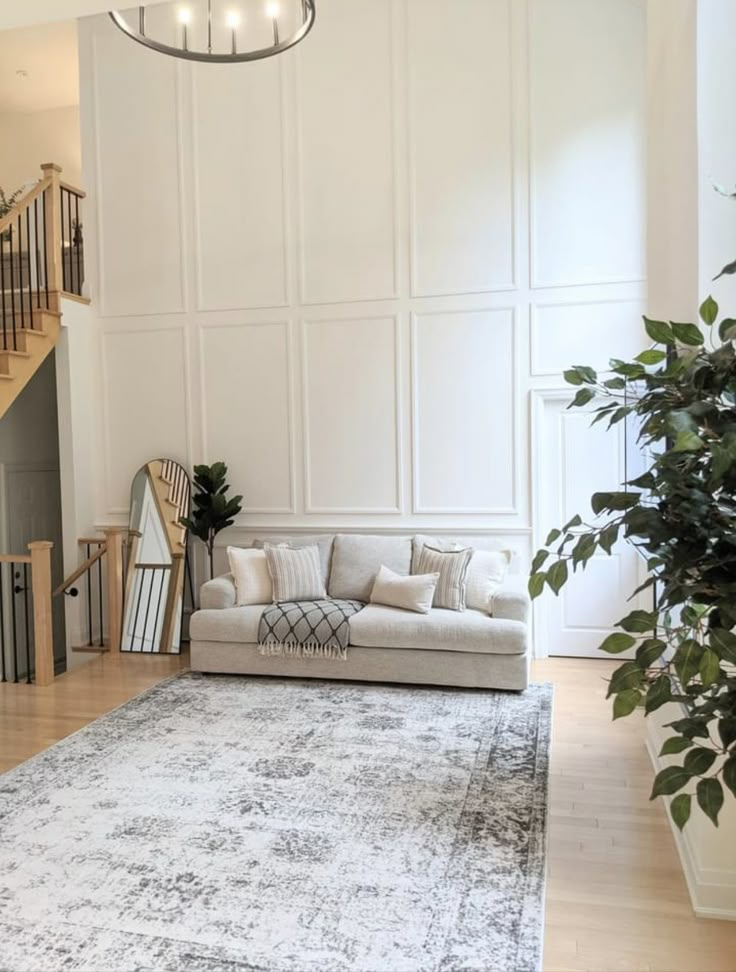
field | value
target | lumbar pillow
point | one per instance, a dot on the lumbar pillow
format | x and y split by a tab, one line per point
252	578
485	575
452	566
295	573
412	593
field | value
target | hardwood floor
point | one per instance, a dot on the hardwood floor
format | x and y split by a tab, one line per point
616	898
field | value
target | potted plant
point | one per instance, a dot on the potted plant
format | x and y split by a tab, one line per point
212	509
681	516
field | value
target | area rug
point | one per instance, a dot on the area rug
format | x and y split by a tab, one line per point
225	824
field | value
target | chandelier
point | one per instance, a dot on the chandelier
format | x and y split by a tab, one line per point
219	31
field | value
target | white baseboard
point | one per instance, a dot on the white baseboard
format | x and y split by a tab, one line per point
712	890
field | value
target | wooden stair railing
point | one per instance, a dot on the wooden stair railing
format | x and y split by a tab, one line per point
103	588
41	261
27	628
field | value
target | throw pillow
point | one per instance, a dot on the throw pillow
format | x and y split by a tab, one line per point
452	566
421	539
295	573
486	574
412	593
251	575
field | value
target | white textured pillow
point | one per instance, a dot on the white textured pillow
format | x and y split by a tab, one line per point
412	593
252	578
295	573
486	573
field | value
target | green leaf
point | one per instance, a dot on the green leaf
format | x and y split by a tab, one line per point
675	745
687	442
613	501
687	659
710	797
557	576
688	334
680	809
727	327
608	537
651	357
552	536
699	760
729	268
616	643
727	731
638	621
625	703
649	652
572	377
709	668
660	692
615	384
708	311
669	780
536	585
723	644
659	332
539	559
626	676
574	522
583	396
691	728
729	774
583	549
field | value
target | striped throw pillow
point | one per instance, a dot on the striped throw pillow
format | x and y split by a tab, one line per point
452	566
295	572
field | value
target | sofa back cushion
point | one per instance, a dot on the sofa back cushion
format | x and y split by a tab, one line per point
323	541
357	558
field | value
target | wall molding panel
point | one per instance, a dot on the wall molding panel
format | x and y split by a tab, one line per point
356	272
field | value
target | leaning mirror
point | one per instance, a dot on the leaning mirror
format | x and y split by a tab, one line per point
156	565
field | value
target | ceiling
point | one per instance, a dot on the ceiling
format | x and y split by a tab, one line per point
39	67
24	13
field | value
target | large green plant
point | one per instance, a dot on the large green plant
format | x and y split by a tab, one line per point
212	510
681	515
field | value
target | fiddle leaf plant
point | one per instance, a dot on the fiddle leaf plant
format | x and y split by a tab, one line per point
681	516
212	509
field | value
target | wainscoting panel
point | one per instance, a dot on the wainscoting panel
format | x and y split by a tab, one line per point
352	424
464	398
571	462
345	104
137	134
461	181
590	332
145	414
587	109
239	185
247	422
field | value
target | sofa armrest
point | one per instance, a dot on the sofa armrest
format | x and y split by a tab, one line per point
512	604
218	593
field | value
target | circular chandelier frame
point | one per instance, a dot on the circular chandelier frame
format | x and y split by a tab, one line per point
210	56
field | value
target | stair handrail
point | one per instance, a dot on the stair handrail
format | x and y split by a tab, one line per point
20	207
82	569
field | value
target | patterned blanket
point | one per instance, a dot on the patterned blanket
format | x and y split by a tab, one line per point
307	629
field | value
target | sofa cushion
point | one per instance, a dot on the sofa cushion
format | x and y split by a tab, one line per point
356	560
322	540
238	624
377	626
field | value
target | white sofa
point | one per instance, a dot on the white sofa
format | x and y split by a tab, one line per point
468	648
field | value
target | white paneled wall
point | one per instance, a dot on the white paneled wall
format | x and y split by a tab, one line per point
346	270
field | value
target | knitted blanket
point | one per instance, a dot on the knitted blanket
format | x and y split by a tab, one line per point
307	629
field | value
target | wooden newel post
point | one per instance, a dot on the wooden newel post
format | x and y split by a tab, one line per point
114	553
52	233
43	629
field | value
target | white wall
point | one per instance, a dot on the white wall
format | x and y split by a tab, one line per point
348	270
28	139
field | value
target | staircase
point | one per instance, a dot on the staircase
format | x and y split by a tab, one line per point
41	262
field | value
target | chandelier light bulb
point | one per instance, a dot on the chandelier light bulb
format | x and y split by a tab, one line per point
272	9
185	15
232	19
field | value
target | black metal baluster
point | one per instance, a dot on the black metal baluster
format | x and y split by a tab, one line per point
27	623
63	236
2	286
45	255
28	248
148	608
78	247
12	288
2	627
99	592
90	643
141	576
15	626
20	273
71	234
38	254
158	604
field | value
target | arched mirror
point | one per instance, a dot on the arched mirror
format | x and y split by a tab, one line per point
154	581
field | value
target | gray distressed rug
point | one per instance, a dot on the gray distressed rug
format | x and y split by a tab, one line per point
225	824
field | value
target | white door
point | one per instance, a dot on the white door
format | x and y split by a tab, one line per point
571	462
